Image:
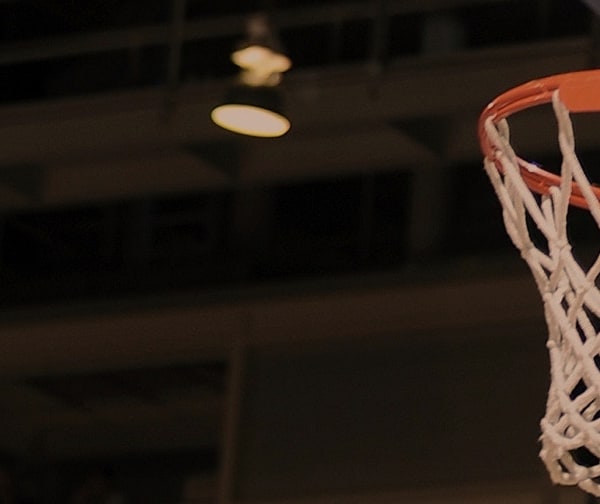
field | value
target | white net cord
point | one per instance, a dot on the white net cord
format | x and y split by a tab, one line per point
570	428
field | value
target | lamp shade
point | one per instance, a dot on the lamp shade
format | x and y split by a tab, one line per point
254	111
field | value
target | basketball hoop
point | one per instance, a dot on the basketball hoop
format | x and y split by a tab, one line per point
532	197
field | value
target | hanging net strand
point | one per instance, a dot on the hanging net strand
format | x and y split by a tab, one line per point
570	428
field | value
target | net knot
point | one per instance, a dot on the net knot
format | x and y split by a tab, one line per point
547	294
562	244
528	249
582	287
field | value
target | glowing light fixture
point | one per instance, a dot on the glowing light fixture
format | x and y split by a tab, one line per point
253	107
250	120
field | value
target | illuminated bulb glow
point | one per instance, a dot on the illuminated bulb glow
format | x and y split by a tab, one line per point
250	120
261	59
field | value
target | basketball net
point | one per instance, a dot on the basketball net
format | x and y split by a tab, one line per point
570	428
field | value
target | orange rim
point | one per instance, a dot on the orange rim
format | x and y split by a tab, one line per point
579	91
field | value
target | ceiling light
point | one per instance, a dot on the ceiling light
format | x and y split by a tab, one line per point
254	111
253	107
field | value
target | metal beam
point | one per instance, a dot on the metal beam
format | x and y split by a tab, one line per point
169	330
205	29
115	146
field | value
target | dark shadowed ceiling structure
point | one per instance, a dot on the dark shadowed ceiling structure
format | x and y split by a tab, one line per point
114	182
140	245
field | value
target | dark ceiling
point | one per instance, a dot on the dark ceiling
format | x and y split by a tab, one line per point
139	243
319	219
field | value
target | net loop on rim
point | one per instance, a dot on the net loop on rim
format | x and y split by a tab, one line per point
535	200
580	92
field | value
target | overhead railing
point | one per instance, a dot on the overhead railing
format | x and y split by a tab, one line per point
135	38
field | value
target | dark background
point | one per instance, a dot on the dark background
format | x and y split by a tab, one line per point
337	312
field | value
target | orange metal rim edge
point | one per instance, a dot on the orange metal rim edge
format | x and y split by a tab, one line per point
580	91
